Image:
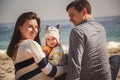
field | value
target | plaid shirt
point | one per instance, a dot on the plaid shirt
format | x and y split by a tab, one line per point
87	58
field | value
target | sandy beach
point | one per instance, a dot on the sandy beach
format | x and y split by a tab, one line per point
7	69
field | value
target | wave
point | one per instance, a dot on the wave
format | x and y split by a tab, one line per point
113	44
110	45
65	48
2	51
3	54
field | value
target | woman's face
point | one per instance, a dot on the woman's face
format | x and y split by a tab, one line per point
51	41
29	29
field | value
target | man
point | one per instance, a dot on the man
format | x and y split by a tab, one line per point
87	58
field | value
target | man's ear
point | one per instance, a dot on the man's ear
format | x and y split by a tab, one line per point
84	11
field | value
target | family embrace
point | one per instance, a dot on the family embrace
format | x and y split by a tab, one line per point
87	56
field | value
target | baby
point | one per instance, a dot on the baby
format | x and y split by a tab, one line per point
53	48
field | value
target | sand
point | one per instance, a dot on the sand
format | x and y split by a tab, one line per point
7	69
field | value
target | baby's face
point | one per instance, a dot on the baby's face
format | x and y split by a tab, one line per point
51	41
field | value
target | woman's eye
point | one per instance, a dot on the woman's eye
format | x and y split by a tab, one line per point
36	27
30	26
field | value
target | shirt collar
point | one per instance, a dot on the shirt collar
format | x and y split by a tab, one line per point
87	20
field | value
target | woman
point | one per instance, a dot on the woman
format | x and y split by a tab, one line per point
25	50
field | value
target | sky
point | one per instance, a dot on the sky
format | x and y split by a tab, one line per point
10	10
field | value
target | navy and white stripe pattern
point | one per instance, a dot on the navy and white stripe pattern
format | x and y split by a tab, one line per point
32	64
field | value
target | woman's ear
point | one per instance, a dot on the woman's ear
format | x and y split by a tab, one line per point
20	28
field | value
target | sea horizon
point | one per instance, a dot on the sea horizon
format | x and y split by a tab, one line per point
111	25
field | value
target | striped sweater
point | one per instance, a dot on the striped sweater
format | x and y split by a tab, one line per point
32	64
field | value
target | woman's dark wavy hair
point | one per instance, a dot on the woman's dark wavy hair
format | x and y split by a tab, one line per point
79	5
16	34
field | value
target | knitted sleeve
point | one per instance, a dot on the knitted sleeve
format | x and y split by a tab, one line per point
75	53
39	56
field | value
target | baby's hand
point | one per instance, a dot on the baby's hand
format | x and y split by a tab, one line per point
46	50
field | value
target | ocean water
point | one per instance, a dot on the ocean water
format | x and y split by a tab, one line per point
111	25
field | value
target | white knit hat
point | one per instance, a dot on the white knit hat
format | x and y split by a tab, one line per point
53	31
